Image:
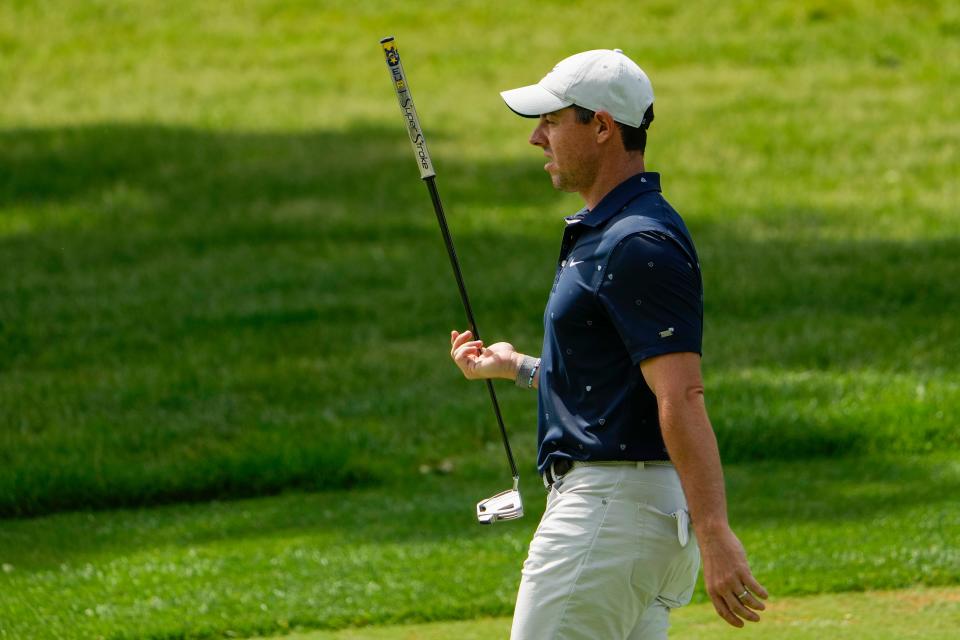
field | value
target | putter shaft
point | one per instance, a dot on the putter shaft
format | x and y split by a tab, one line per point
428	175
471	321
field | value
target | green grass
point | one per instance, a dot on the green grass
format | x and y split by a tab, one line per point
921	614
220	278
413	552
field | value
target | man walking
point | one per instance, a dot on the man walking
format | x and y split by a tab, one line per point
625	445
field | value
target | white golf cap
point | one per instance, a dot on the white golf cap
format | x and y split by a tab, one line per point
599	80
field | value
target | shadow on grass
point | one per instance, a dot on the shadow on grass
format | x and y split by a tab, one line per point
190	314
435	509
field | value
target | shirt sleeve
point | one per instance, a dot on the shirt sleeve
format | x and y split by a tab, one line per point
653	295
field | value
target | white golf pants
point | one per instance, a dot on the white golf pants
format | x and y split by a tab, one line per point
613	554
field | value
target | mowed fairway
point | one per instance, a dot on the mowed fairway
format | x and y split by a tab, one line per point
226	405
933	614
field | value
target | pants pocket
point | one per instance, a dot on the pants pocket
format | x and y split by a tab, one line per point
672	543
681	578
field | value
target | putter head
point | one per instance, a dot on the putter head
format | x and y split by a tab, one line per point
506	505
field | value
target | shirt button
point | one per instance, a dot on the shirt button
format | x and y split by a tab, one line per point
589	323
569	352
602	422
609	276
623	447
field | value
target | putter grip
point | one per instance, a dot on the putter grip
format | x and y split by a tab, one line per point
399	78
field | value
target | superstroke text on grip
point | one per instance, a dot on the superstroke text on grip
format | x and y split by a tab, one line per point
414	129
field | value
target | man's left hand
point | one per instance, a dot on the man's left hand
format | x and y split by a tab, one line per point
735	593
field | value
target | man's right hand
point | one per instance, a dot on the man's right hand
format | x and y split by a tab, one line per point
499	360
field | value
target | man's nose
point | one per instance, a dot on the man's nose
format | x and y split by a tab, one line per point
537	138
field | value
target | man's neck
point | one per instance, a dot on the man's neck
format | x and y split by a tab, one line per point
611	175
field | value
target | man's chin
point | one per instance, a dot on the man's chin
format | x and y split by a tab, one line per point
560	184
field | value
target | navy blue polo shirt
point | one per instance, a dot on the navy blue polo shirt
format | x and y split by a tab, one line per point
627	288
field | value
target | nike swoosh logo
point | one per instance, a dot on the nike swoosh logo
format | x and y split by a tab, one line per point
574	263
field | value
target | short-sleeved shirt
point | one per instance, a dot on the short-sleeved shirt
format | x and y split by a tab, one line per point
627	288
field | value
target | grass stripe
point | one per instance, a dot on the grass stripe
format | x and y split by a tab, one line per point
411	551
918	614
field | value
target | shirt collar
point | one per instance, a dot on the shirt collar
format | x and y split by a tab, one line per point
617	199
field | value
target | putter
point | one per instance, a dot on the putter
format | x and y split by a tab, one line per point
506	505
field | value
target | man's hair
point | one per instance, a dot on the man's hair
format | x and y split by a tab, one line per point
634	138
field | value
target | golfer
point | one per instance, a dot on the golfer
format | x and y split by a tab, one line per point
636	492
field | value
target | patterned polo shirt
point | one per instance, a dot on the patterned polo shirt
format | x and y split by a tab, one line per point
627	288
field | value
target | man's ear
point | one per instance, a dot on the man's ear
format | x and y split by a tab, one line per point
605	126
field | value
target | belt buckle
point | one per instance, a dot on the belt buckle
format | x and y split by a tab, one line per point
550	475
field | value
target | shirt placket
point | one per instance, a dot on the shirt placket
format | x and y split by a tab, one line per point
570	236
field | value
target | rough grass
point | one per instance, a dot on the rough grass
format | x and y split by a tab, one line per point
221	276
